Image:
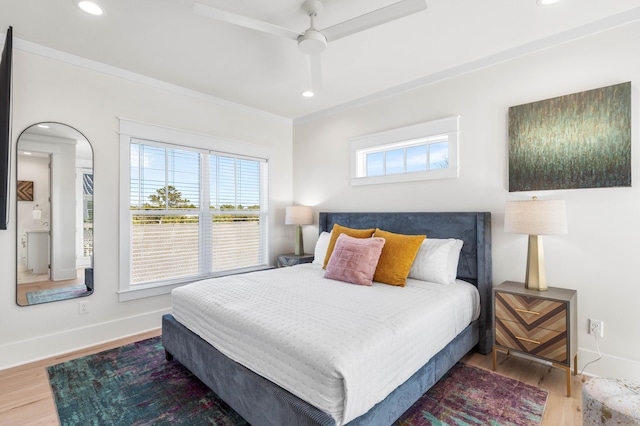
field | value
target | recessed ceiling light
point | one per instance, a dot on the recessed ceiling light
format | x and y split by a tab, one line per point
90	6
547	2
308	94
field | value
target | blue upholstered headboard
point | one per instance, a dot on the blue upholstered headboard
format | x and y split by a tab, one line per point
474	228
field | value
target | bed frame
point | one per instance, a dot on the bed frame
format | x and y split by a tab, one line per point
262	402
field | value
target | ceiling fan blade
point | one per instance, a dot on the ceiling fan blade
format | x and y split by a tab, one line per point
244	21
315	72
377	17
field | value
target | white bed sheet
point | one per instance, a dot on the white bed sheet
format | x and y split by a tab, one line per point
339	346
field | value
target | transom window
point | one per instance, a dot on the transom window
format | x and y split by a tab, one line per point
407	157
191	213
419	152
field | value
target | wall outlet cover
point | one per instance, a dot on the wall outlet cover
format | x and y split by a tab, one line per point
596	327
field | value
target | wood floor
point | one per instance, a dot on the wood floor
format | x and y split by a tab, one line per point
27	282
25	394
560	409
26	398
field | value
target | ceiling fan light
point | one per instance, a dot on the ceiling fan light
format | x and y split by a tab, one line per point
312	42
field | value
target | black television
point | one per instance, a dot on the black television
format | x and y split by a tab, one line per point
5	127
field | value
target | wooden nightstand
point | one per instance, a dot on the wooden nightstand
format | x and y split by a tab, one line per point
293	259
540	324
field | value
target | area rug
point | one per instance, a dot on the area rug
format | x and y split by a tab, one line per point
55	294
468	395
134	385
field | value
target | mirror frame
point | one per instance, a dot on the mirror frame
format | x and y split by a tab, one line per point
66	276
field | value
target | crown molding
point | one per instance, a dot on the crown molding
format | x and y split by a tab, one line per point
58	55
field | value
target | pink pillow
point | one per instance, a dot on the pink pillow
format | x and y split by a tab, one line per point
354	260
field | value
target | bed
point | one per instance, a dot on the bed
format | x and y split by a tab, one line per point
262	402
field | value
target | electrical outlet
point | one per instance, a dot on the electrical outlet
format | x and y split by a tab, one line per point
596	327
83	307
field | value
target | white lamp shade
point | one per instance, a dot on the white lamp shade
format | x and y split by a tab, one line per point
299	215
536	217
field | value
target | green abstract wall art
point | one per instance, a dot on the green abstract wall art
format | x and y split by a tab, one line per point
582	140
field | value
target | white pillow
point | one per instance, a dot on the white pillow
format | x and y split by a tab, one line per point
437	260
454	258
322	245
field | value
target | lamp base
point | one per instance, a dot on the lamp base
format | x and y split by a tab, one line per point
536	275
299	251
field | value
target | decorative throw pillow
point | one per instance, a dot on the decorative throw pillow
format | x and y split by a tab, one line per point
335	233
437	260
397	256
321	248
354	260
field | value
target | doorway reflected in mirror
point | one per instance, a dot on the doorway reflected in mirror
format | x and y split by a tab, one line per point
55	227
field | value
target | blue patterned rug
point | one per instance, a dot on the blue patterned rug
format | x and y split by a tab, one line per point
55	294
134	385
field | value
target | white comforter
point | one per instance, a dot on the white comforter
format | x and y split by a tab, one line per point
341	347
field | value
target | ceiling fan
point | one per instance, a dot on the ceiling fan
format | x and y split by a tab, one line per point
313	42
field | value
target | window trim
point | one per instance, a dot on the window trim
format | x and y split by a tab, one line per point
401	138
131	130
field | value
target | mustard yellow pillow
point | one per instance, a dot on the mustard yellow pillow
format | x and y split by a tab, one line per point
397	256
337	230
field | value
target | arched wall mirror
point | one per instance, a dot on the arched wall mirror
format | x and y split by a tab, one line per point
54	223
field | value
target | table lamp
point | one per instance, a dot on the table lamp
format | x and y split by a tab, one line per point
535	218
299	215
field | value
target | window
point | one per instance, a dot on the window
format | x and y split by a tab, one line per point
412	156
84	215
190	212
420	152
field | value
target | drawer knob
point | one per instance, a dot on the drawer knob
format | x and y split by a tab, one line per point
535	342
524	311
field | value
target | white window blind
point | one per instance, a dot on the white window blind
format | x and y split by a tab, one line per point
194	213
237	185
84	216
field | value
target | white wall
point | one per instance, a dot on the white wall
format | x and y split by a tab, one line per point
92	102
598	257
35	169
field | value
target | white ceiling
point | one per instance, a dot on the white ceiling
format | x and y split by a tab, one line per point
165	40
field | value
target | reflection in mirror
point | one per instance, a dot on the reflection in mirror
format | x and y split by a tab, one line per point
54	214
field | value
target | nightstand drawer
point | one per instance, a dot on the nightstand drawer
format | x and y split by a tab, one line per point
531	311
537	341
540	324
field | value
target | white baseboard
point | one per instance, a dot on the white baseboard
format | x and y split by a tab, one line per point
51	345
609	366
